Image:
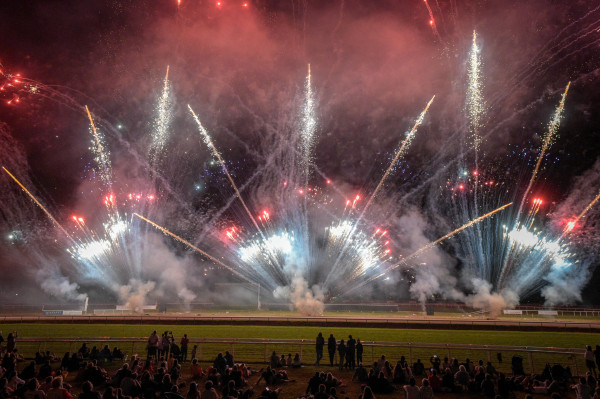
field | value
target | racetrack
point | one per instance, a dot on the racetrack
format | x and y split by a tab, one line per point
350	320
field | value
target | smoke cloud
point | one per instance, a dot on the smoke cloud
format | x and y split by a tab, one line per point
307	301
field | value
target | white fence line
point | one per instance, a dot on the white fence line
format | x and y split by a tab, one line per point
263	347
277	320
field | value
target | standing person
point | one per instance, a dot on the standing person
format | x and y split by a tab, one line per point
11	342
152	344
589	359
596	352
320	343
342	353
350	353
359	351
331	344
184	347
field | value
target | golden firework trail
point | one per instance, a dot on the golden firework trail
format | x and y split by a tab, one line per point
39	204
405	143
101	157
195	248
211	146
403	146
573	223
433	244
548	140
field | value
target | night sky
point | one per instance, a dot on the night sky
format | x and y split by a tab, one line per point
241	65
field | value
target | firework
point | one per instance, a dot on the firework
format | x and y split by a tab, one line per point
162	122
42	207
548	140
195	248
571	224
475	103
102	157
403	146
213	149
433	244
432	22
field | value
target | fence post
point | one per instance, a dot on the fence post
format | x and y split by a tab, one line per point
372	353
530	356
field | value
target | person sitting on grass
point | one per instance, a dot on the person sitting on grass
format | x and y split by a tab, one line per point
88	391
196	369
360	374
209	392
296	363
418	368
426	391
411	390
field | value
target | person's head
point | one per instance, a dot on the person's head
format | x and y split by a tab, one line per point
322	388
57	382
320	334
87	387
412	382
208	386
588	347
231	384
425	382
350	336
462	368
582	380
184	335
434	371
193	387
32	384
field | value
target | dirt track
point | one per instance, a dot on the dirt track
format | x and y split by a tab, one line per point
415	322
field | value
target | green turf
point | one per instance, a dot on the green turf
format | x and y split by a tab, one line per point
515	338
258	353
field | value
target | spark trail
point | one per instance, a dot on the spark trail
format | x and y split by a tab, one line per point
548	139
101	157
162	122
213	149
40	205
432	22
571	225
195	248
432	244
217	154
405	143
475	103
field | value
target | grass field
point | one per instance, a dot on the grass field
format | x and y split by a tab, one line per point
257	353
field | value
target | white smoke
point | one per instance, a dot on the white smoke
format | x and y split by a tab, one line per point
493	302
565	286
57	285
134	295
433	271
308	301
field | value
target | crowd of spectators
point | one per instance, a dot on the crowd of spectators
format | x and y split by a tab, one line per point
109	374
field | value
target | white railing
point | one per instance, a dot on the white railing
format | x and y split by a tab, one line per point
259	350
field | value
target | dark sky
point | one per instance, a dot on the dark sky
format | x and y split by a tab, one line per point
375	65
